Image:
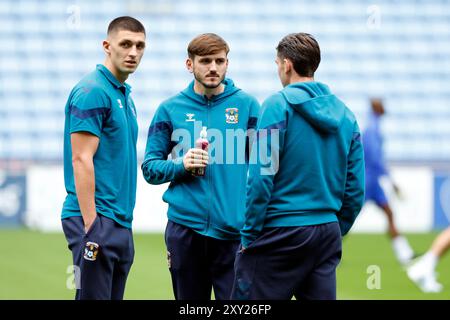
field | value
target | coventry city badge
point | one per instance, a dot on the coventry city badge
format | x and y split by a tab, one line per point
91	251
231	115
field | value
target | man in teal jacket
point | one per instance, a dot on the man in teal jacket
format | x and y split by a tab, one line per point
304	196
206	212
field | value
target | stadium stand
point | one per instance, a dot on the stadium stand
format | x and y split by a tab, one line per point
398	50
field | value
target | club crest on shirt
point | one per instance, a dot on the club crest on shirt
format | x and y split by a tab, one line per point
231	115
91	251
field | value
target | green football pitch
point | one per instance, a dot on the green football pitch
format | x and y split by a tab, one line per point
34	265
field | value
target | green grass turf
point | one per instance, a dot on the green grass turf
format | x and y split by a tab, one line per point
34	265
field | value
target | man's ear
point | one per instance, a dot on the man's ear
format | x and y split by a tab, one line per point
106	45
287	65
190	65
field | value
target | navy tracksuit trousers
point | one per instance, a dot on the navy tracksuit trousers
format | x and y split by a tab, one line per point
198	263
102	257
290	261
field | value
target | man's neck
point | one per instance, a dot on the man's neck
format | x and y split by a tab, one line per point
297	78
118	75
208	92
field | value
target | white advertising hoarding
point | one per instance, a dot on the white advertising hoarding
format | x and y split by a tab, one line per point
413	211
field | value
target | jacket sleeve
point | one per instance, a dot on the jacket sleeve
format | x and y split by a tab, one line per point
157	168
354	185
264	161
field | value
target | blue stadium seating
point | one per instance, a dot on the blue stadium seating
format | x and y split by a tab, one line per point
397	50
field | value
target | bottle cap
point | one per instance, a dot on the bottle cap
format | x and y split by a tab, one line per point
203	133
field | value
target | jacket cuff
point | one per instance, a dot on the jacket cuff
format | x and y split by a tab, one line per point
180	171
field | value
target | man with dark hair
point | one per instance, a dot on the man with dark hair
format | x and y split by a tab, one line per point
206	211
100	166
375	168
309	192
125	23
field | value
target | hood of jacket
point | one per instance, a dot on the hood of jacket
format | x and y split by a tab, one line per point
317	105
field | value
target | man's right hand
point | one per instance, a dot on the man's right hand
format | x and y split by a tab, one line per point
195	158
88	221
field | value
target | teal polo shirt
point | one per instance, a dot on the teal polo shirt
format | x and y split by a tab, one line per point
100	105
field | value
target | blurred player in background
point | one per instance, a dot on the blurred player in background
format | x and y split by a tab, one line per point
100	166
376	168
302	203
205	212
423	270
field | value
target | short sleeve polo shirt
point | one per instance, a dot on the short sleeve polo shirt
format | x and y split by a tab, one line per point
101	105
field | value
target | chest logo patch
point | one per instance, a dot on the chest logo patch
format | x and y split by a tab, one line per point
231	115
190	117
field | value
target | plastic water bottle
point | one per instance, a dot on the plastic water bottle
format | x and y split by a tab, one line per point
202	143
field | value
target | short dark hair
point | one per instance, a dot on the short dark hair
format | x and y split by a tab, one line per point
125	23
303	50
206	44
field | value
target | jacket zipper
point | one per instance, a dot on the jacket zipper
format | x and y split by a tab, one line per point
208	173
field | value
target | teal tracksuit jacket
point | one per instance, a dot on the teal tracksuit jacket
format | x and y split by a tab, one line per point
212	205
311	170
